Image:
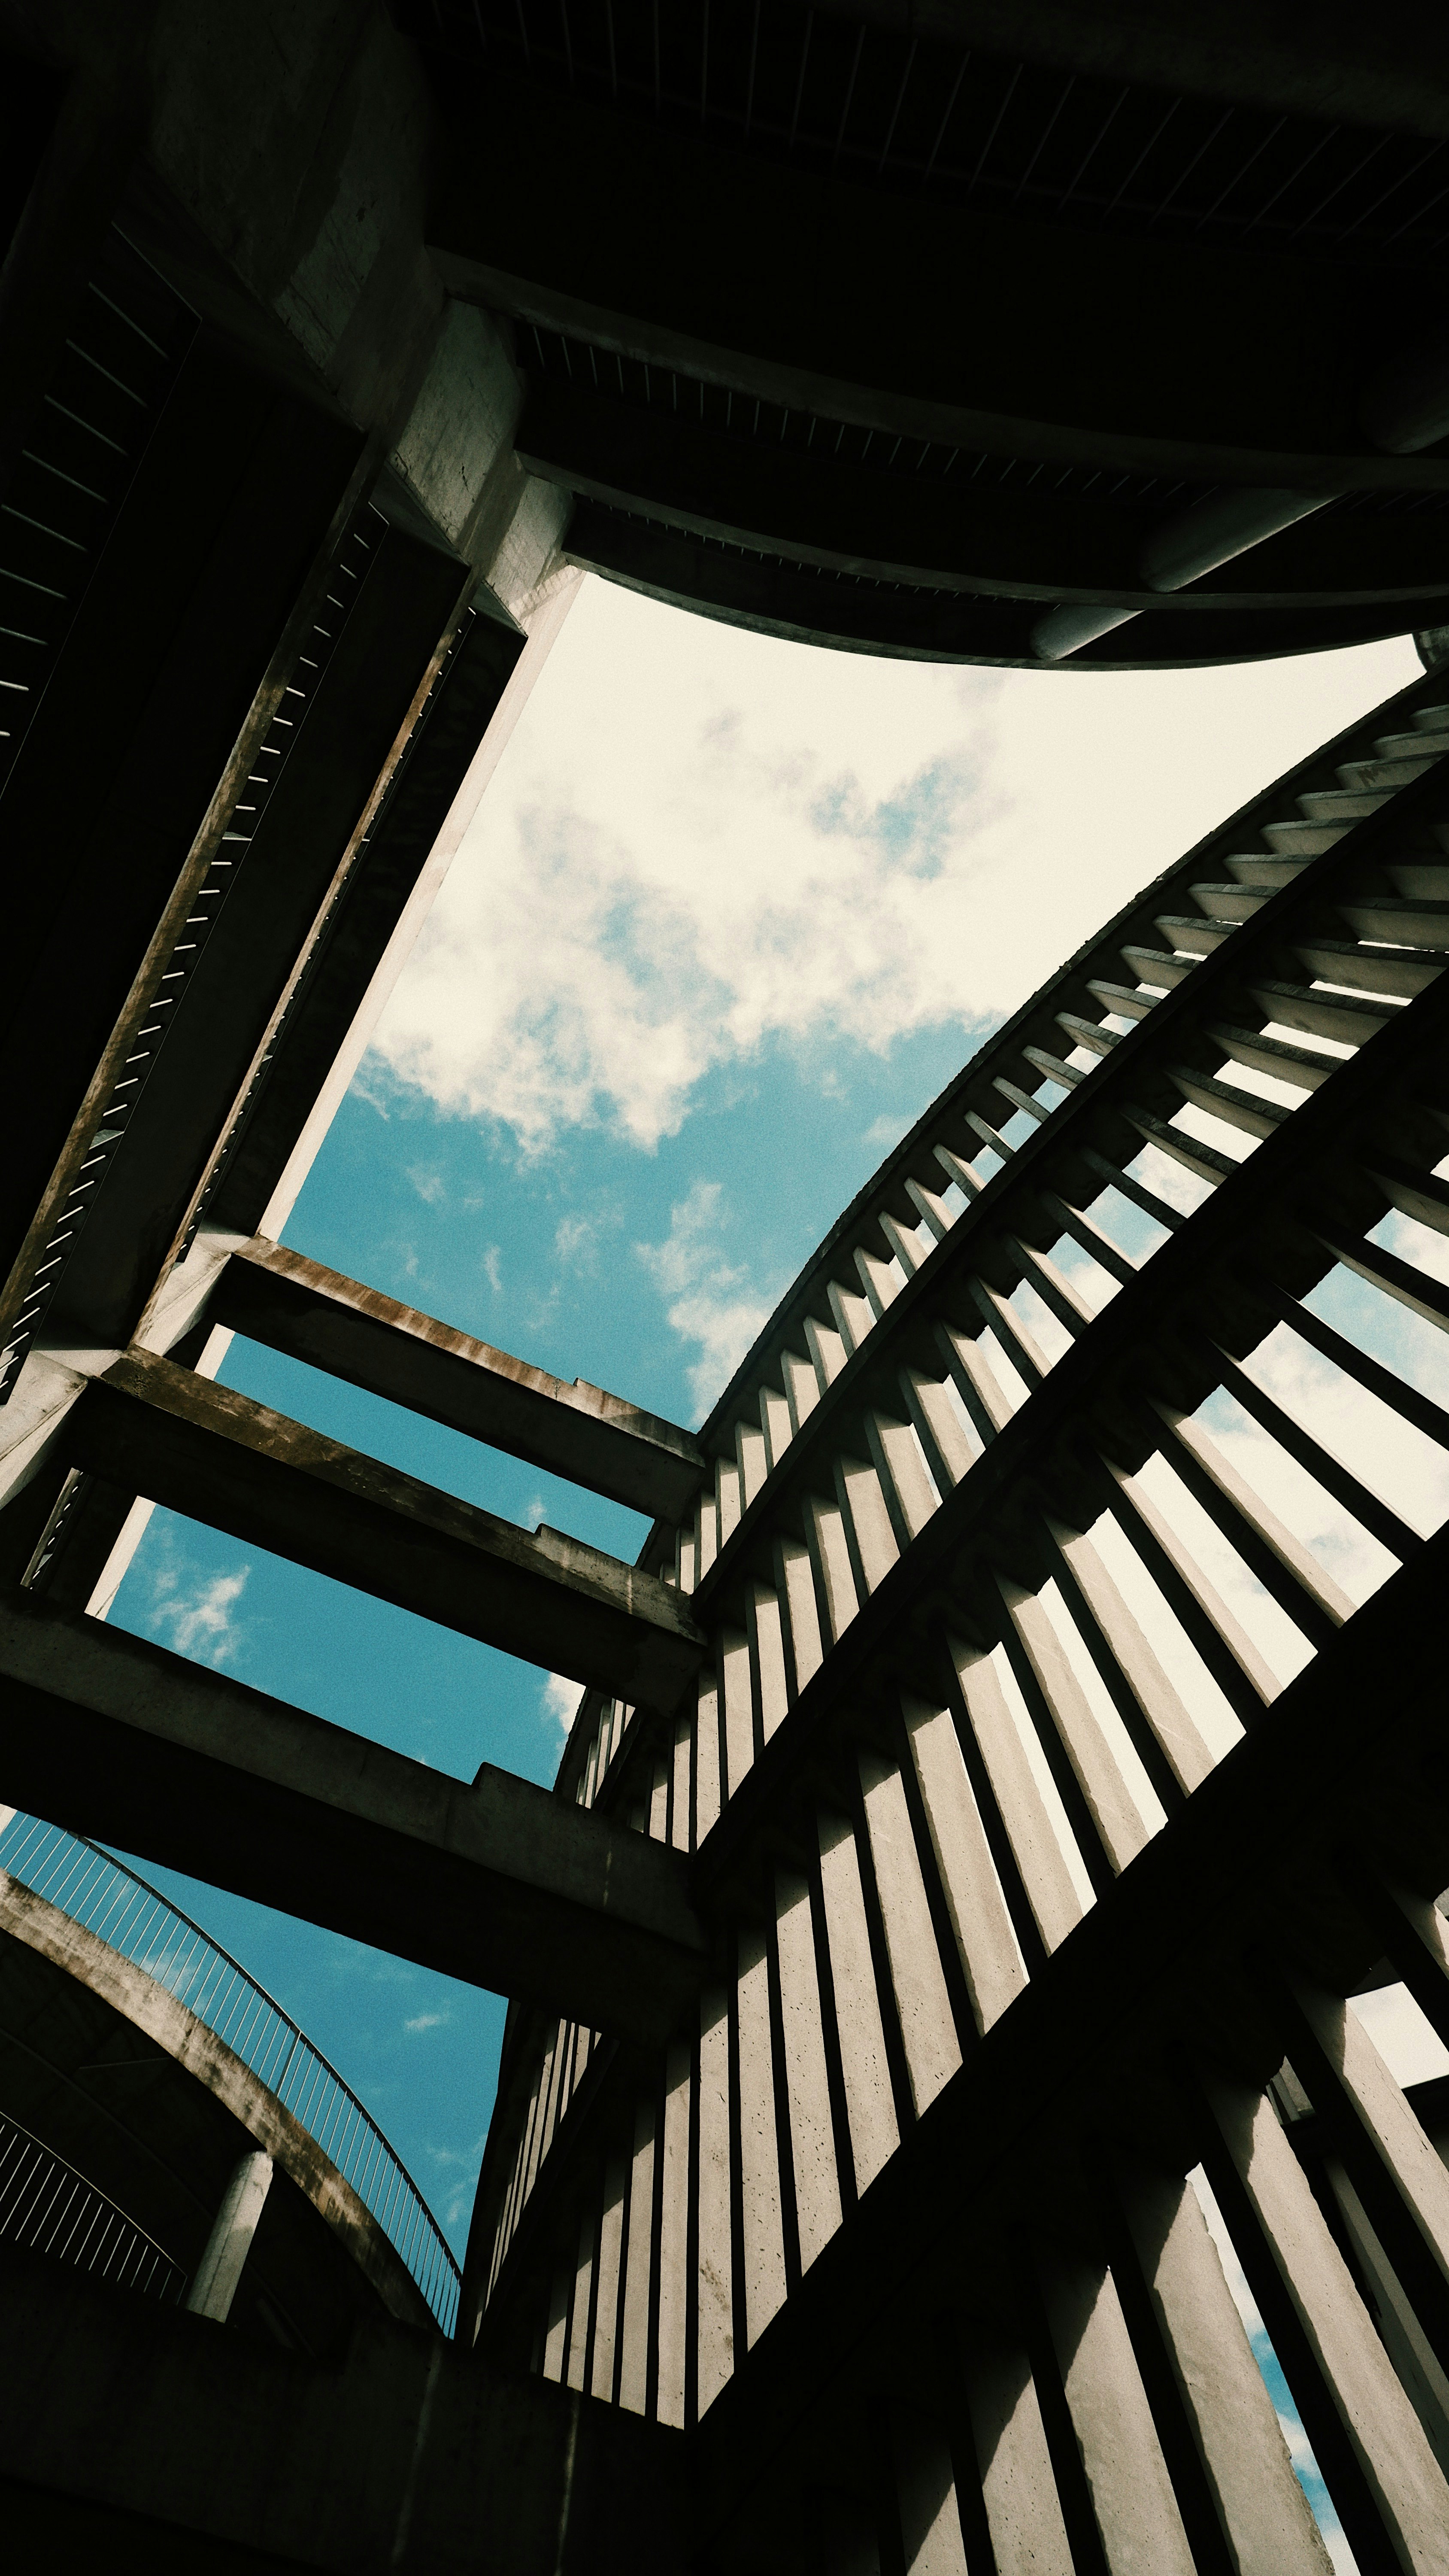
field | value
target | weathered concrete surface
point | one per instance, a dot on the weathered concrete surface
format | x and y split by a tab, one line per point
409	2455
279	1297
135	2120
296	142
498	1883
51	1933
210	1452
227	2247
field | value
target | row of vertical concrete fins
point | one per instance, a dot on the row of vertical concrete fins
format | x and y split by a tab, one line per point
1042	1798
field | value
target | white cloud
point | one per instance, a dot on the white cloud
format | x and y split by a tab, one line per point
575	1238
426	2021
458	2170
196	1618
430	1186
560	1699
700	840
712	1305
492	1269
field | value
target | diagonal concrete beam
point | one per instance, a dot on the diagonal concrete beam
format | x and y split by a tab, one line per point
498	1883
295	1305
206	1450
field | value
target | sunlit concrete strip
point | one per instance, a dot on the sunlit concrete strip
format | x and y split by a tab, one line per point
210	1452
281	2137
498	1883
279	1297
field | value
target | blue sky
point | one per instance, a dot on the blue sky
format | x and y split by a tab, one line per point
731	913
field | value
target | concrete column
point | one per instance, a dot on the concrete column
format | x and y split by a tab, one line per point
985	1940
1262	2506
574	2374
763	2246
931	2541
674	2236
825	1527
1034	1842
812	2137
1405	2341
634	2324
870	2109
1108	1795
716	2268
1018	2490
1171	1720
706	1757
928	2027
215	2280
1404	2487
1131	2491
739	1728
1255	1667
611	2237
796	1589
767	1653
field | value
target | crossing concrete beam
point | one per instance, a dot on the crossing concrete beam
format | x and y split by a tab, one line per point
208	1451
498	1883
292	1304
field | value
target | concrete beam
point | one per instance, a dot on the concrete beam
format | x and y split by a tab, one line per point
955	533
498	1883
235	498
205	1450
297	844
410	842
279	1297
772	596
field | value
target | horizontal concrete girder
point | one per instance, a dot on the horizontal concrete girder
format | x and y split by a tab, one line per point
295	1305
501	1883
206	1450
780	597
1020	540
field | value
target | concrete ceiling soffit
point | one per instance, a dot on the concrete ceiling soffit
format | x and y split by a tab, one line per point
935	320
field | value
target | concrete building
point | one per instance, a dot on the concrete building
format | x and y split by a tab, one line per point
994	1779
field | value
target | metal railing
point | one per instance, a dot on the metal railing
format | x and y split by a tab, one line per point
50	2208
133	1918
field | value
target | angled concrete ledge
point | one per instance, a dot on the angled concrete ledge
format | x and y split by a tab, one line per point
579	1431
208	1451
498	1882
179	2447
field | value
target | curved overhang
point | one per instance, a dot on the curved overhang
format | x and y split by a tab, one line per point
927	300
917	317
200	2055
1363	66
855	614
997	526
